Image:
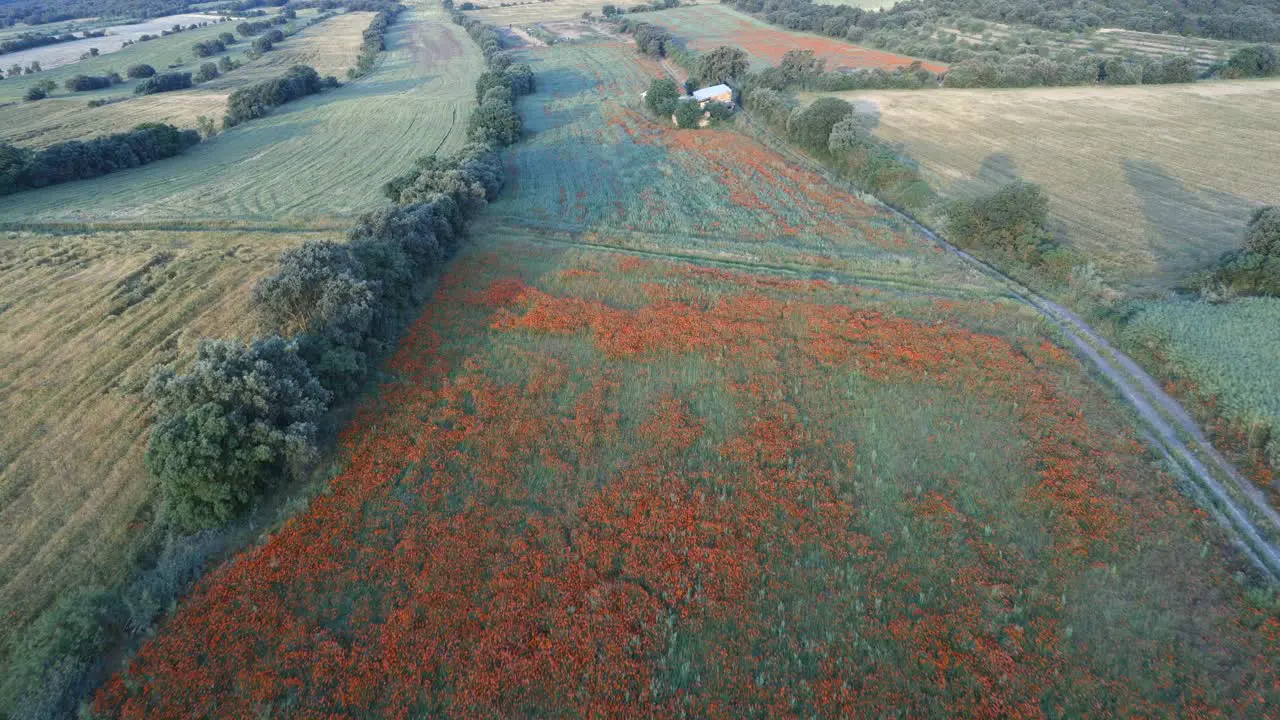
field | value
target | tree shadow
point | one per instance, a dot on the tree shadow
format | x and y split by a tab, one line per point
1187	229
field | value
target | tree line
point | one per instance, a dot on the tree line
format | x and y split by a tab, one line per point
247	414
495	121
374	40
257	100
26	41
24	169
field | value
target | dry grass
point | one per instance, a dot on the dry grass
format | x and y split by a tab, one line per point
330	47
316	161
74	354
1150	182
534	11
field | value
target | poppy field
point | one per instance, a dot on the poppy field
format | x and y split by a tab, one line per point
705	27
602	484
622	466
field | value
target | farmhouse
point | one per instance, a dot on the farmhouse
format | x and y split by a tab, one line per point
715	93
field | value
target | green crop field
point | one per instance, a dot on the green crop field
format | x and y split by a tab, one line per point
330	47
690	429
313	162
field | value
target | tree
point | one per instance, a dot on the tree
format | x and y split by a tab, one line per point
810	127
801	64
140	71
688	114
1012	221
662	96
724	64
226	64
610	11
262	44
1255	268
35	92
227	38
769	106
207	72
494	122
1254	61
243	417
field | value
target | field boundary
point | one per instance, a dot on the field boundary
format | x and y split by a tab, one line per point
1234	503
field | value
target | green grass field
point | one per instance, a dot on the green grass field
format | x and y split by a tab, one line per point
677	432
318	161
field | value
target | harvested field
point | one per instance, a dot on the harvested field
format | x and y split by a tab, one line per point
316	161
1150	182
83	318
706	27
524	12
330	47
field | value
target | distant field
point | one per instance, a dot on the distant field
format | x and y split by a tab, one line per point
330	47
1150	182
316	161
59	54
83	318
706	27
533	11
159	53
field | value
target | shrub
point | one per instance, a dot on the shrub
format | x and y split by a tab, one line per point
83	83
55	652
810	127
1254	61
140	71
662	96
1255	268
164	82
207	72
227	38
257	100
35	92
244	416
688	114
207	48
262	44
1011	221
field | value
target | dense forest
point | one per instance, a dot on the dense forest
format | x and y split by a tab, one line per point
34	12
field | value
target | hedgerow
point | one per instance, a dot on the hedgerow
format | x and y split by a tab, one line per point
23	169
257	100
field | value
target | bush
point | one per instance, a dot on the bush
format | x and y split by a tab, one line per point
662	96
243	417
1011	221
83	83
53	655
140	71
227	38
810	127
1254	61
207	72
262	44
721	65
207	48
35	92
688	114
164	82
257	100
1255	268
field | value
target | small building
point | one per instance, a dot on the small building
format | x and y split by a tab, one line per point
715	93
